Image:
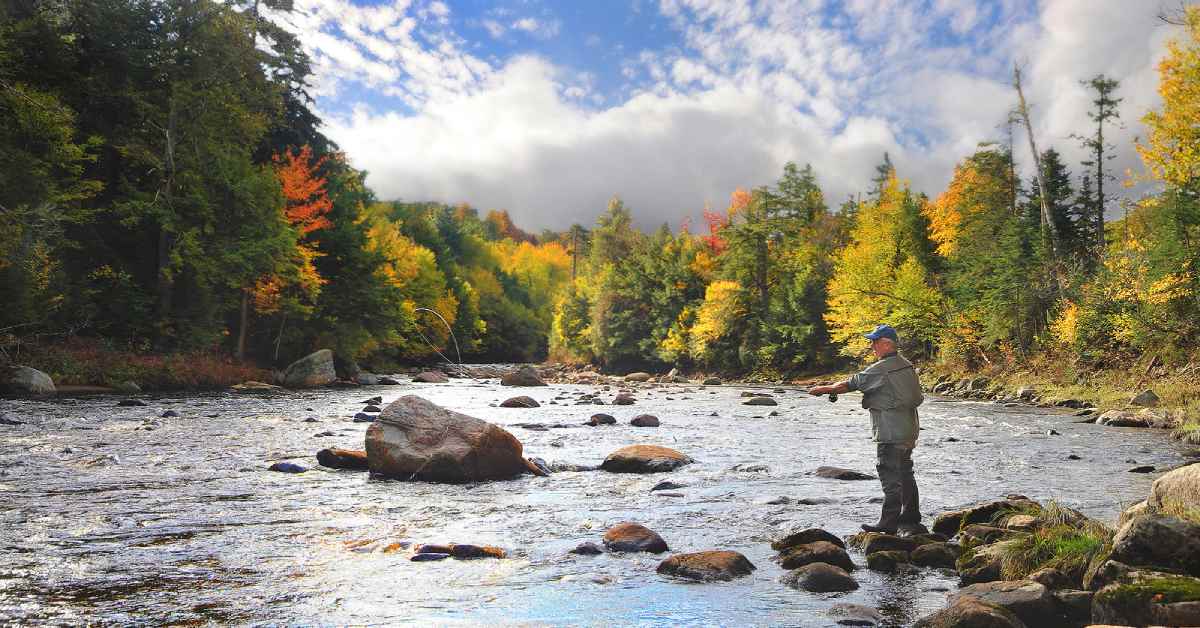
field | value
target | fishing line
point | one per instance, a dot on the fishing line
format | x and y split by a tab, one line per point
452	337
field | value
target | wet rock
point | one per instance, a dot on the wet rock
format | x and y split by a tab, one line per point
467	551
428	557
633	537
323	434
624	399
837	473
1029	601
971	613
373	401
887	561
1159	541
1149	598
601	419
712	381
871	542
524	376
131	403
314	369
1146	399
1051	578
750	468
979	565
169	414
587	549
569	467
520	402
747	394
637	377
644	459
948	523
372	408
388	381
820	578
432	548
363	417
366	379
707	566
1179	488
336	458
666	485
644	420
23	380
1075	606
431	377
938	555
287	467
815	552
416	439
760	401
1145	468
804	537
856	615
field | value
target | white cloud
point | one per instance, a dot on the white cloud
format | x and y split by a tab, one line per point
751	86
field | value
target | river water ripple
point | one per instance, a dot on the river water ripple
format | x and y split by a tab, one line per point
111	515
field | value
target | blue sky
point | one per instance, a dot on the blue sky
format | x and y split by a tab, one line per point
548	109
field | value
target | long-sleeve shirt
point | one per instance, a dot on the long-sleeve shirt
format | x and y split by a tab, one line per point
892	392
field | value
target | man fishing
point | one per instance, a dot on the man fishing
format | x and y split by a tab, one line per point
891	392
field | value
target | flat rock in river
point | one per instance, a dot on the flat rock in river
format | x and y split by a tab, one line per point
820	578
644	459
837	473
707	566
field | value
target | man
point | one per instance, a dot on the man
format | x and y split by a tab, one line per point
892	392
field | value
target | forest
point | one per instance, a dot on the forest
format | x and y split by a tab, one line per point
165	188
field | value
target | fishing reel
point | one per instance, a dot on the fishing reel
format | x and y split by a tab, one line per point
832	397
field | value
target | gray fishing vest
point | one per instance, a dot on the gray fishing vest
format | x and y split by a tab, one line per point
892	392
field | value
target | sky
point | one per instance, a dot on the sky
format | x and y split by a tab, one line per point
550	108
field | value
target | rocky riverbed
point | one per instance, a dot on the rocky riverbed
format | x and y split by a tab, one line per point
127	514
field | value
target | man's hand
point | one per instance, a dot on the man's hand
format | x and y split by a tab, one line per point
835	389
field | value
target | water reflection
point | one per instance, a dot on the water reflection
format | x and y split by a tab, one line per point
117	515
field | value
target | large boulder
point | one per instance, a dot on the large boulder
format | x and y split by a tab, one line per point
314	369
633	537
971	613
1159	541
524	376
948	523
23	380
1177	489
815	552
981	564
1149	598
644	459
414	438
1029	601
820	578
707	566
944	555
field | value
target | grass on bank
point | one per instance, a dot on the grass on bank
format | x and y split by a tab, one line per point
1061	538
87	362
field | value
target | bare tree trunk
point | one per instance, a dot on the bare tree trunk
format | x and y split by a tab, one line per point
245	322
165	238
1023	112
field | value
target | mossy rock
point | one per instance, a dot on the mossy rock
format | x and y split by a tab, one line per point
1145	598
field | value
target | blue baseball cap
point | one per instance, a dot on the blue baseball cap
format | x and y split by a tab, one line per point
883	331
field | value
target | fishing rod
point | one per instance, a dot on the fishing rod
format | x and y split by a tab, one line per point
452	337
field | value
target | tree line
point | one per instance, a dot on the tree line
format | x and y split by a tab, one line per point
165	187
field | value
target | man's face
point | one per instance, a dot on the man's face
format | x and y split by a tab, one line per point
881	346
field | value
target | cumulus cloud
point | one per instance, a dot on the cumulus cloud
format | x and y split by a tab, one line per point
748	87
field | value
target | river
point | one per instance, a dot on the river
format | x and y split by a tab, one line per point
112	515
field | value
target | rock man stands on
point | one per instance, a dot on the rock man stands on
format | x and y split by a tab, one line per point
892	392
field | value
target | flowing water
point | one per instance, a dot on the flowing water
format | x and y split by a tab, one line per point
112	515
